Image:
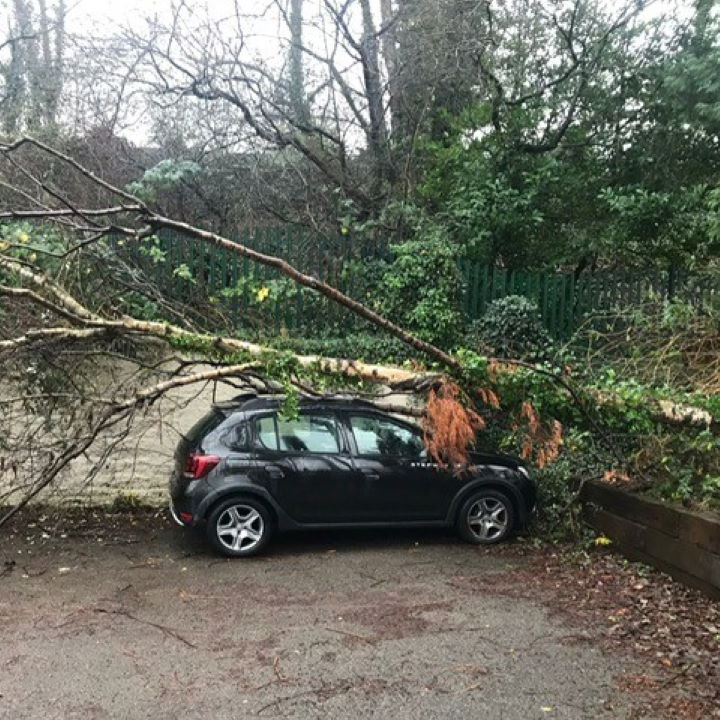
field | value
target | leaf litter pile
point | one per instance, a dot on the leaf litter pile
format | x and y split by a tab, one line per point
672	630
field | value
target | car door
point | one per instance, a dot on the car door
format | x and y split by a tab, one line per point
400	482
307	466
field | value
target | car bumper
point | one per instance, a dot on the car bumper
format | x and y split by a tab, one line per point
175	516
185	500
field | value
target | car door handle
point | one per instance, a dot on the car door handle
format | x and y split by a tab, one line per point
371	474
274	471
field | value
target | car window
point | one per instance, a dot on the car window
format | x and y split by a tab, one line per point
204	426
309	433
239	437
380	436
265	434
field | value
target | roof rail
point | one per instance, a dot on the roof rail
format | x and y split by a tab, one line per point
236	400
253	399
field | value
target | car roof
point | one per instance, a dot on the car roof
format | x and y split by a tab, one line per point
257	401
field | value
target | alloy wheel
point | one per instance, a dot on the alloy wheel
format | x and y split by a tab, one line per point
488	518
240	528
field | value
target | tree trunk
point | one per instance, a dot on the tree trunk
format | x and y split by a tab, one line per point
298	99
378	136
392	63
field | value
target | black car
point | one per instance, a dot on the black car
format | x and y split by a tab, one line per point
245	471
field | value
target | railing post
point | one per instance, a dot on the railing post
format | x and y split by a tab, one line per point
672	281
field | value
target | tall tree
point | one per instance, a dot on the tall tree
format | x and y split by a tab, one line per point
33	73
296	61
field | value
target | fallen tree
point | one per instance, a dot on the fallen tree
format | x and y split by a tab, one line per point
92	325
59	334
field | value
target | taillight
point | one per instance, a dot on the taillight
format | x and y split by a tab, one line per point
198	466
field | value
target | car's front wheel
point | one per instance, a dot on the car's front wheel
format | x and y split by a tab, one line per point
239	527
486	517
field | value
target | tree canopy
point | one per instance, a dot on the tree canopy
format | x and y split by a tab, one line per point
553	134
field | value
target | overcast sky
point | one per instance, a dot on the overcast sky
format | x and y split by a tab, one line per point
122	11
103	17
109	12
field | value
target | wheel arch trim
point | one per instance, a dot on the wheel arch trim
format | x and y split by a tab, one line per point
238	488
489	482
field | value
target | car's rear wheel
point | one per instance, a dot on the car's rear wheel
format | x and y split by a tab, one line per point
486	517
239	527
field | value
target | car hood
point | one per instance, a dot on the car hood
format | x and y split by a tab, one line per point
508	461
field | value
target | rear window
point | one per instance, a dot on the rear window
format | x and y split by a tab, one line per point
308	433
204	426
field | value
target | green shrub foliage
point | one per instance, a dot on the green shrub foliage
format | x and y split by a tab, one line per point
421	288
512	327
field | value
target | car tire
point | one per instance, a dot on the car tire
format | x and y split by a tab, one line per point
240	527
486	517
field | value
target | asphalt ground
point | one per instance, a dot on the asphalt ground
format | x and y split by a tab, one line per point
134	618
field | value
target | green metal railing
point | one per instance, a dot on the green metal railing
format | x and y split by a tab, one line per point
564	299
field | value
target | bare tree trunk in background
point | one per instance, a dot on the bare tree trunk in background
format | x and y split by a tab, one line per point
33	67
52	33
16	90
33	77
13	91
45	72
378	135
388	40
49	69
298	98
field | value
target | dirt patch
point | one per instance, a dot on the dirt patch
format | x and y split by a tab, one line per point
397	617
